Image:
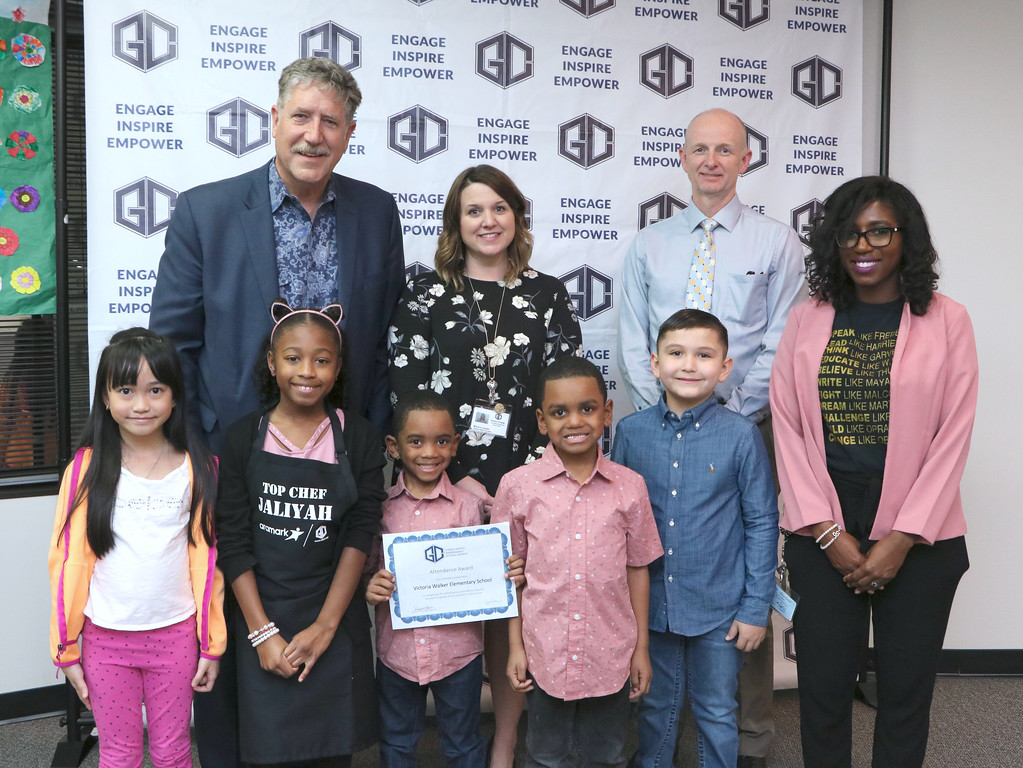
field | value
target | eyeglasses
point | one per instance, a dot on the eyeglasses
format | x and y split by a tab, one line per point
878	237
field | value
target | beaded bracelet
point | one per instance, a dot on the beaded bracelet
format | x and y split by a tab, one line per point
834	538
264	637
261	630
833	527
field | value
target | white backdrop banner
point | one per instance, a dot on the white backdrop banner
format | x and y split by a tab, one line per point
582	102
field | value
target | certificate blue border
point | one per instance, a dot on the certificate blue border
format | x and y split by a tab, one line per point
447	536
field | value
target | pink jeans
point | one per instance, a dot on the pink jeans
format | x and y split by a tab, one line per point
123	670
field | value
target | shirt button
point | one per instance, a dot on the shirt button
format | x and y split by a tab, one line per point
577	617
678	435
578	498
671	522
575	657
673	492
422	642
696	425
578	576
674	464
671	578
418	512
671	551
578	535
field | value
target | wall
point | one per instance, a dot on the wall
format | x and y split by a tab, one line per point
955	125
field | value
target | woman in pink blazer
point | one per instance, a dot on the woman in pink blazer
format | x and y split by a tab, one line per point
873	393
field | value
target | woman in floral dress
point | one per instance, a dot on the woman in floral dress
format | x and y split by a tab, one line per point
479	329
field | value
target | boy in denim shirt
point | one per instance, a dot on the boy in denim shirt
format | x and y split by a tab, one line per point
710	486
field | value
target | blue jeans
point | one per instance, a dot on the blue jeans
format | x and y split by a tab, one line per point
707	668
403	715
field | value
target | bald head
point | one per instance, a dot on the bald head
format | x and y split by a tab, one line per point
715	152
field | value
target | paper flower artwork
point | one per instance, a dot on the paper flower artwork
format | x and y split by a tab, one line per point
25	280
25	199
22	145
28	50
8	241
25	99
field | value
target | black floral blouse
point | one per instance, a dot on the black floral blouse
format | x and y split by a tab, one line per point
447	339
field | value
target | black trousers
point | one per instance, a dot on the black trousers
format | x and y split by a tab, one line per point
909	620
216	712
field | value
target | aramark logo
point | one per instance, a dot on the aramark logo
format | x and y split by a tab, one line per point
666	71
417	133
758	144
434	554
238	127
414	270
817	82
145	41
745	13
144	206
504	60
804	219
330	40
589	8
586	141
664	206
591	291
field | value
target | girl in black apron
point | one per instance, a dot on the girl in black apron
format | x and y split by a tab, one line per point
294	526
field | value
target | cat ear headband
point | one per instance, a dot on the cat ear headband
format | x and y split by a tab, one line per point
332	312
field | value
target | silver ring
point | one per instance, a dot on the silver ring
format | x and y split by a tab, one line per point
874	585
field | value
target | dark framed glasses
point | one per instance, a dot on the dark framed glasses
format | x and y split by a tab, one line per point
878	237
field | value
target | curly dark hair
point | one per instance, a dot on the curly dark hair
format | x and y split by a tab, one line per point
827	278
269	392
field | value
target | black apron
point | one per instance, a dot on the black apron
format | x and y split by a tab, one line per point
299	528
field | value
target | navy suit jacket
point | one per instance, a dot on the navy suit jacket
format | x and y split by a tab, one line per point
218	276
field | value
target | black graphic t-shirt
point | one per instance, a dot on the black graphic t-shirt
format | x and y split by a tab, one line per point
853	382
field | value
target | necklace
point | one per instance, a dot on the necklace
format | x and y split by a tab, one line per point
163	450
492	349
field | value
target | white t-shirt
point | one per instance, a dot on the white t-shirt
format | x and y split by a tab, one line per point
143	582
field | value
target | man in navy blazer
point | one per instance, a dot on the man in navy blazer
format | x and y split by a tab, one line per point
290	228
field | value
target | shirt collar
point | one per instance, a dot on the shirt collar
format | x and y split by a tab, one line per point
698	415
552	466
443	488
726	218
278	192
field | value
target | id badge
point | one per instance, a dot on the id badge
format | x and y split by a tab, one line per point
490	419
784	600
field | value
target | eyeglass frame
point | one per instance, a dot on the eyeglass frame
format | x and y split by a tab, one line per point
865	235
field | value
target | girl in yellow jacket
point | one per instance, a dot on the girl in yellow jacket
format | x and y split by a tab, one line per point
133	559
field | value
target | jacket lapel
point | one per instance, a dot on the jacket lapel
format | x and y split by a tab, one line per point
347	212
257	223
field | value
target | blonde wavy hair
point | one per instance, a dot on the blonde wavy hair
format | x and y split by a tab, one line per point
449	260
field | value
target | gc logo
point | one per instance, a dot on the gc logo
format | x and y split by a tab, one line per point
331	41
589	8
145	41
529	212
417	133
434	554
589	290
419	2
586	141
758	144
664	206
238	127
817	82
144	206
744	13
666	71
804	218
504	60
415	269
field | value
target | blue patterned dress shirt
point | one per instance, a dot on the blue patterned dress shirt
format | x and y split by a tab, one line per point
307	256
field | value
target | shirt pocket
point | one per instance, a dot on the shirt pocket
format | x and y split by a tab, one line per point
747	299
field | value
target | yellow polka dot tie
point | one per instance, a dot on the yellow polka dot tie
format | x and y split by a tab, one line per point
701	270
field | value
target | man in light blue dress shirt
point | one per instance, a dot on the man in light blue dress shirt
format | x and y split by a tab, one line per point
758	277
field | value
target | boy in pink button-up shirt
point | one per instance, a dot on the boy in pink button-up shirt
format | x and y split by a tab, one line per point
446	659
586	530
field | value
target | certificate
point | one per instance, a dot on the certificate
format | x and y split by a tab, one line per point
450	576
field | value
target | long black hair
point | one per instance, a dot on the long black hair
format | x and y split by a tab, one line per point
119	365
827	278
285	317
